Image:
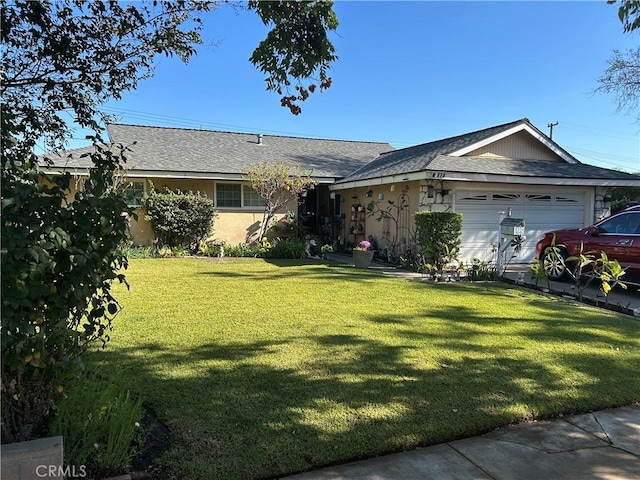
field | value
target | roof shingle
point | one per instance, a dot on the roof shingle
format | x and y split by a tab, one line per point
205	151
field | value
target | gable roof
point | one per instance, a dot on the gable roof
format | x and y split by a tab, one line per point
190	153
445	159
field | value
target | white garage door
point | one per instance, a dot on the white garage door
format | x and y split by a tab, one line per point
541	212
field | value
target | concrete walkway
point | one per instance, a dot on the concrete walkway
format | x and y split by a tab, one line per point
600	445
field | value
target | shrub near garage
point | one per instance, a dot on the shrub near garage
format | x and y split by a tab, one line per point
438	234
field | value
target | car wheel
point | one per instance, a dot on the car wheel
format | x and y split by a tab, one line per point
555	265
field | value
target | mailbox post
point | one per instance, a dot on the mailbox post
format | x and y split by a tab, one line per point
510	228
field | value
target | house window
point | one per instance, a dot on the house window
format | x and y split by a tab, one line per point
134	193
228	195
251	198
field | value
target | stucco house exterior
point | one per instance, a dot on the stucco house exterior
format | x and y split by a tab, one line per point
483	175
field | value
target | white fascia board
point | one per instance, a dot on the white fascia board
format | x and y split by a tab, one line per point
173	175
488	177
405	177
518	128
152	174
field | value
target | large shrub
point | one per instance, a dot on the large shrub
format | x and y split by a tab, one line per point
438	234
59	260
179	218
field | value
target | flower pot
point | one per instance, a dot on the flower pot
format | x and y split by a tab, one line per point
362	258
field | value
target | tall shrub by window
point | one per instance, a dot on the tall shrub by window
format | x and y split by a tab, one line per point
438	234
179	218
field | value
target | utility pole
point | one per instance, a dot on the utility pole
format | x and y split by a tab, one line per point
551	125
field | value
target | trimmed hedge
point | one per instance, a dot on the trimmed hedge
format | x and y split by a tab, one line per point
438	234
179	218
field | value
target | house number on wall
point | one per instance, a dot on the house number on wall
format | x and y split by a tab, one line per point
437	174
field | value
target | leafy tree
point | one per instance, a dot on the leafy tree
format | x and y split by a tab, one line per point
278	184
303	25
60	245
622	76
622	196
629	14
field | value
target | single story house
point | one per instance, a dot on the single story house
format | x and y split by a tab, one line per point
483	175
215	164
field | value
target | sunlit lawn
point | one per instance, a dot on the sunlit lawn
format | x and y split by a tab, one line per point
262	369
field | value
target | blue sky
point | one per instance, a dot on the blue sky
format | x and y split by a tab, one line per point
413	72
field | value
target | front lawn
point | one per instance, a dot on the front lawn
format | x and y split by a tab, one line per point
267	368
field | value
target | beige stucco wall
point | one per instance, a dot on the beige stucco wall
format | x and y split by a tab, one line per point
232	225
436	195
385	229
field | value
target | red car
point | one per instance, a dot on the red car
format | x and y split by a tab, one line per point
618	236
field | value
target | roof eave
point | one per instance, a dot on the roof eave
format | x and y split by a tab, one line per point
486	177
84	171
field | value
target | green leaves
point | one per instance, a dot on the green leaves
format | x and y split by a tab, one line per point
296	48
179	218
438	234
58	263
629	14
278	183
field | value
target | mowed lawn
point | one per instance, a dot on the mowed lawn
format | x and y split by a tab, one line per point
267	368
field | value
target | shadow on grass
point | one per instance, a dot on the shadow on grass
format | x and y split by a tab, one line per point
321	269
239	410
374	384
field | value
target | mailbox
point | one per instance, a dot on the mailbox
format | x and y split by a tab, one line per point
512	226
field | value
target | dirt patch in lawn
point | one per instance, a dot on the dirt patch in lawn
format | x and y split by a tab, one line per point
144	465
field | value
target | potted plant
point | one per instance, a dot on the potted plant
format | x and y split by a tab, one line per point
362	254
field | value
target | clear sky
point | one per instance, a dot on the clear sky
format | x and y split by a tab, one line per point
413	72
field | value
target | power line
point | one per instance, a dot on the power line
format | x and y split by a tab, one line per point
604	155
599	131
186	122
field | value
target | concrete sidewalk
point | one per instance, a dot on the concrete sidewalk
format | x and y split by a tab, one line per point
600	445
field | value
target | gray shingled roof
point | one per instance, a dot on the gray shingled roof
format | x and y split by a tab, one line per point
419	157
204	151
525	168
435	156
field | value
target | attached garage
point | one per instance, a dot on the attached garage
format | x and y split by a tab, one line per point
480	174
542	211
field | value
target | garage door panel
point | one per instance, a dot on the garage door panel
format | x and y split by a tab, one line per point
541	212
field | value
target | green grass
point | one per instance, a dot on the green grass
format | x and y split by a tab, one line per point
99	423
266	368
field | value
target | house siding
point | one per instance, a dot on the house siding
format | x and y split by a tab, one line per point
518	146
383	230
231	225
